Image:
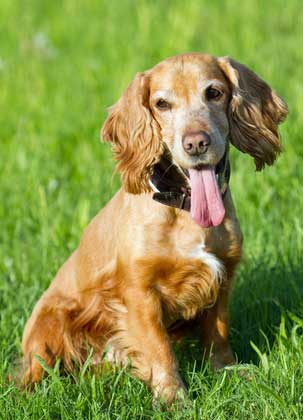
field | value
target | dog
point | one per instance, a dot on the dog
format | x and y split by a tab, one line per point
160	256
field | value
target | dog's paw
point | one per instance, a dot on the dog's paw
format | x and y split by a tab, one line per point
174	395
219	359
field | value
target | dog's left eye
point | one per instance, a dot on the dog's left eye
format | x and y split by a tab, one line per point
163	105
212	93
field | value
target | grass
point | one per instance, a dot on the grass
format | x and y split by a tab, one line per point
61	64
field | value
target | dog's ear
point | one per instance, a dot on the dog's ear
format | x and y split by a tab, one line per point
135	135
255	111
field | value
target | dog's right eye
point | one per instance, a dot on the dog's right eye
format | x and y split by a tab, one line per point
212	93
163	105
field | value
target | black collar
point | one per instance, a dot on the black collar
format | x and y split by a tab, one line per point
172	185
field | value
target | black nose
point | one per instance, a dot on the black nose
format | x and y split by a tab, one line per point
196	143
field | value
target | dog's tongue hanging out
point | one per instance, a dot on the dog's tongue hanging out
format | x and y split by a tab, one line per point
207	207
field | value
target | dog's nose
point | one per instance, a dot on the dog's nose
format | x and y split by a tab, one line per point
196	143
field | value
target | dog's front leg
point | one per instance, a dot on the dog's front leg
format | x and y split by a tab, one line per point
149	346
215	331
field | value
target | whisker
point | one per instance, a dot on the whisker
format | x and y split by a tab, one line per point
172	164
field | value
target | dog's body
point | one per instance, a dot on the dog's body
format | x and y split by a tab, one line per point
141	266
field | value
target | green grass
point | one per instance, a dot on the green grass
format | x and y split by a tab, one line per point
62	63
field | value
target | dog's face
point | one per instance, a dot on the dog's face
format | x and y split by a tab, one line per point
189	100
191	104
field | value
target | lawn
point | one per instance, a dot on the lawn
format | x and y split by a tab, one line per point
62	63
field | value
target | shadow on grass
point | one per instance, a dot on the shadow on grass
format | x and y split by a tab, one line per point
263	292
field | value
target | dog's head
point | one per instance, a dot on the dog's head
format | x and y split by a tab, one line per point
192	104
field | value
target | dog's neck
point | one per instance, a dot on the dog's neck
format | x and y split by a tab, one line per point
172	187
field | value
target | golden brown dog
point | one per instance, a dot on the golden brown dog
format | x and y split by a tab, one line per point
142	265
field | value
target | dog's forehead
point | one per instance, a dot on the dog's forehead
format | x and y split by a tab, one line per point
185	74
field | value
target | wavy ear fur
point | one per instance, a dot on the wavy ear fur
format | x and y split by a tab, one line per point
255	111
135	135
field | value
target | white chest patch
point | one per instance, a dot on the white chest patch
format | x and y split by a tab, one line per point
209	259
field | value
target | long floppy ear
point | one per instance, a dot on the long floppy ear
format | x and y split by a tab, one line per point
135	135
255	111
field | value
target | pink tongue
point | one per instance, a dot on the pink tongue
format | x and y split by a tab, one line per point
207	208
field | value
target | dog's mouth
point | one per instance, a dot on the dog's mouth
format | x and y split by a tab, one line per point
199	189
207	208
200	167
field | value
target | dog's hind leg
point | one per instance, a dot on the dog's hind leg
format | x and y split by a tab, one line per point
47	335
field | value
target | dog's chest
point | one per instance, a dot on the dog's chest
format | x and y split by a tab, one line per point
188	279
188	242
185	263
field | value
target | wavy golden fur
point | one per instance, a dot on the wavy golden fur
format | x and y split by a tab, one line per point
141	266
255	112
135	135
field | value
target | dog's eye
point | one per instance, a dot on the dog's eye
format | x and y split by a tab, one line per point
163	105
212	93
